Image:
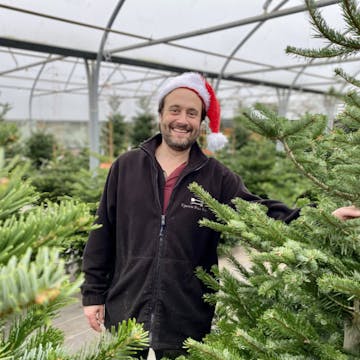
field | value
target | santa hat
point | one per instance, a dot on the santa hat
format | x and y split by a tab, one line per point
197	83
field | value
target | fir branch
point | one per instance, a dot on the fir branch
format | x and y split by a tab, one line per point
322	185
233	295
200	351
319	53
340	45
223	212
294	127
351	114
242	270
259	120
353	98
221	228
14	192
35	321
257	348
210	281
127	340
43	352
284	324
351	15
347	286
324	31
55	224
256	226
348	78
25	282
339	304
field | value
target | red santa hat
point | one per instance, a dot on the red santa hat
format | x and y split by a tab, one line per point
197	83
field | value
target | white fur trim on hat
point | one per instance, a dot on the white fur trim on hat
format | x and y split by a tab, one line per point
216	141
190	80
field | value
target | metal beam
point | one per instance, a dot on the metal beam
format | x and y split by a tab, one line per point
93	80
268	68
28	66
42	80
291	67
31	122
230	25
88	55
69	90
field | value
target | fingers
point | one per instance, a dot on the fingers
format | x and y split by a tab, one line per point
101	314
346	213
95	316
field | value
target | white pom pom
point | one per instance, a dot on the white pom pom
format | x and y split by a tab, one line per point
216	141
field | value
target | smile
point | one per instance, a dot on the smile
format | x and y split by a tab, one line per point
180	129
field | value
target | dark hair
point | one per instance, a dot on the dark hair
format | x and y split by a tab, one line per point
162	102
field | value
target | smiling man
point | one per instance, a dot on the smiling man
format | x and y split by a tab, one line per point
141	262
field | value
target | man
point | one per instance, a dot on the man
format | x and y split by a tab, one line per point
141	262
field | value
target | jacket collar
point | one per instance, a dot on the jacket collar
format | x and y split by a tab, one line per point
196	157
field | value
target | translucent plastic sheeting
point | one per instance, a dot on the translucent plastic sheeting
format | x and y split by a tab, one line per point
149	41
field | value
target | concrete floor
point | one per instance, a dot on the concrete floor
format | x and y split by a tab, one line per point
78	334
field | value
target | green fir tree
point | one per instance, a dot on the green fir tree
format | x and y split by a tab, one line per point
33	281
265	170
114	135
9	135
299	300
143	124
40	148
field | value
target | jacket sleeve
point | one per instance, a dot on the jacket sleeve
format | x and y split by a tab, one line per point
234	187
98	257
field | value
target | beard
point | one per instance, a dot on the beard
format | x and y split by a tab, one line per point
176	143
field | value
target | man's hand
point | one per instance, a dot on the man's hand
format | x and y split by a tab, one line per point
347	213
95	316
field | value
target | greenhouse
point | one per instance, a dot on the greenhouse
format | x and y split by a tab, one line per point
79	91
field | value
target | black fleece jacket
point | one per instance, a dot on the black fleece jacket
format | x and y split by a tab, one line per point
140	263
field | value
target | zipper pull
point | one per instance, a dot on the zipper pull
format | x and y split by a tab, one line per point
162	226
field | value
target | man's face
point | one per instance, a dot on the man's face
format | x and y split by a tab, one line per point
180	119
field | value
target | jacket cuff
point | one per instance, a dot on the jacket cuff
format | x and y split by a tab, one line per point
93	300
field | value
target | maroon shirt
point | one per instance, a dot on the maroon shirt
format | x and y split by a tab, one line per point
170	183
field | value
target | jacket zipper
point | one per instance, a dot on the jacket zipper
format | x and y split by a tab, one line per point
157	278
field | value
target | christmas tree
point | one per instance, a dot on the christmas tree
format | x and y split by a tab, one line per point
300	297
143	123
33	281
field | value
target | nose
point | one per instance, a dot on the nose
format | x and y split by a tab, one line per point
182	116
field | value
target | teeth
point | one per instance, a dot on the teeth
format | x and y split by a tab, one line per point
181	130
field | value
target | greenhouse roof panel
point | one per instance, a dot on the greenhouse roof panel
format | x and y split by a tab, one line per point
45	46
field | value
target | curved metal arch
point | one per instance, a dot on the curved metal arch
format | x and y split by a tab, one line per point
242	42
93	78
31	96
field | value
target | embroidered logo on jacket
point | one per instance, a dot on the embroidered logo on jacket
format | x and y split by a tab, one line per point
195	204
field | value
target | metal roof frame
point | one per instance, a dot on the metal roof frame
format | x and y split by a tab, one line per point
111	60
